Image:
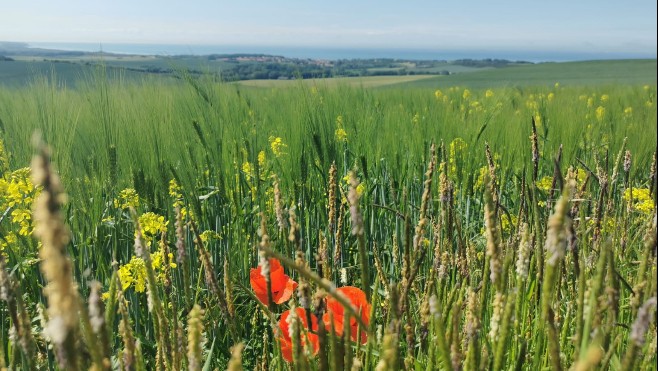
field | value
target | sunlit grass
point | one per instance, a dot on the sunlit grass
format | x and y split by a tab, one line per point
472	239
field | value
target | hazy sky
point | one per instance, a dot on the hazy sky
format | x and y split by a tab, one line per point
576	25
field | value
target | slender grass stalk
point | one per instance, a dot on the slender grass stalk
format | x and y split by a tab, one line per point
61	290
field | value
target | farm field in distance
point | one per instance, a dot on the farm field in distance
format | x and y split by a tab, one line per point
502	218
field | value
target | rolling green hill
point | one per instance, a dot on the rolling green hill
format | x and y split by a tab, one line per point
19	73
630	72
641	71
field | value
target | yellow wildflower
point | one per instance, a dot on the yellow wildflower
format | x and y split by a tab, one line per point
341	135
600	113
208	235
489	93
581	175
4	158
550	97
248	169
545	183
152	226
538	120
127	198
457	147
277	145
7	239
628	111
175	191
642	200
507	222
438	94
360	188
482	173
605	98
466	94
125	276
261	159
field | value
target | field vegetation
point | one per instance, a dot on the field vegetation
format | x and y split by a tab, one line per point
194	224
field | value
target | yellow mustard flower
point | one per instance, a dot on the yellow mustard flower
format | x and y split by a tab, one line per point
4	158
176	192
600	113
642	200
457	147
261	159
248	169
127	198
152	226
482	173
545	183
341	135
508	222
277	145
209	235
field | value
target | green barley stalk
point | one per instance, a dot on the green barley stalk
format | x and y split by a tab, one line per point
195	338
358	230
61	290
235	363
638	333
90	332
161	324
10	293
595	290
211	280
181	255
127	358
555	247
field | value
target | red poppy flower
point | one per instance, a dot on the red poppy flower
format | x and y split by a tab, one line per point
282	286
336	312
286	340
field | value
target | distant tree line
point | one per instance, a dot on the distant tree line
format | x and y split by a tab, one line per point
488	62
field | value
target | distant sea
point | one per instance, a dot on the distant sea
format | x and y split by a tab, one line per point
329	53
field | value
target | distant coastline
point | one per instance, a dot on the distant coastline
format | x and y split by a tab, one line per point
329	53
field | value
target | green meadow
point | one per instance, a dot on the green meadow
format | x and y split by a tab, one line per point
497	219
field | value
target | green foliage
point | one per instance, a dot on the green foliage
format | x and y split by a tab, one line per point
118	143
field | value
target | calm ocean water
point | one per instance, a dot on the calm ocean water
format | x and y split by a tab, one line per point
342	53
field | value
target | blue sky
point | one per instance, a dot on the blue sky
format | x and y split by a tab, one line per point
576	25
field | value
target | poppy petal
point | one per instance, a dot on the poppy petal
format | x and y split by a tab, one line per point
285	293
258	284
358	299
286	341
286	349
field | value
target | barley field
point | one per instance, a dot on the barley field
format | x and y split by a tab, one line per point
191	224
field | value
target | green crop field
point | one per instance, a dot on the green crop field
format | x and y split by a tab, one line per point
502	219
624	72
